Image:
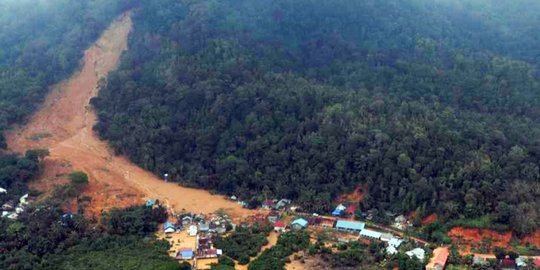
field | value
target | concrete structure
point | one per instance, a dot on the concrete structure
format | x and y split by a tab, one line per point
299	224
350	225
185	254
395	242
169	227
192	231
386	237
150	202
391	250
280	226
418	253
339	209
370	234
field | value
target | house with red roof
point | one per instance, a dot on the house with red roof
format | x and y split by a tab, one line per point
350	210
536	262
438	261
280	226
508	264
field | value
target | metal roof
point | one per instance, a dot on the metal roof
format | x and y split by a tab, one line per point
370	233
350	225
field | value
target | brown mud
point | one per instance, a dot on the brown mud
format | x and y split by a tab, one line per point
64	124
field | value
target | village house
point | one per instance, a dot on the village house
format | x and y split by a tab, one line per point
299	224
419	253
273	216
507	264
536	262
268	204
400	222
438	261
150	202
280	226
350	210
8	206
2	190
186	220
350	225
338	210
393	243
209	253
480	260
204	227
370	234
386	237
520	262
282	203
391	250
184	254
169	227
192	230
204	243
218	227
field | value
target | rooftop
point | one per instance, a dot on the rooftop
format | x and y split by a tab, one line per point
370	233
350	225
440	255
280	224
302	222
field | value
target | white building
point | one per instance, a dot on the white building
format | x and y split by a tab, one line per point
385	237
417	252
192	231
2	190
395	242
370	234
391	250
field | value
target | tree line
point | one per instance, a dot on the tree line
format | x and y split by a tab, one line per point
282	99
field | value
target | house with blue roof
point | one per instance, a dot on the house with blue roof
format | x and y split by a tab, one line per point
169	227
185	254
299	224
339	209
151	202
350	225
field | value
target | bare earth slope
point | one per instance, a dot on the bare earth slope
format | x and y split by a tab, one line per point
64	126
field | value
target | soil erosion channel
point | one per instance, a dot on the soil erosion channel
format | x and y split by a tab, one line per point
64	125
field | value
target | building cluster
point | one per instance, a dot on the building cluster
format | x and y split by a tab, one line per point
12	209
191	236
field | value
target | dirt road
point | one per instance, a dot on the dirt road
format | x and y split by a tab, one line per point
64	125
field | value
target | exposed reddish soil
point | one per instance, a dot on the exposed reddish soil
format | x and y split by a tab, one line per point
533	239
429	219
355	197
473	237
66	120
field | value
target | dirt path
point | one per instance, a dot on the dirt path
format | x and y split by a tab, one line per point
64	126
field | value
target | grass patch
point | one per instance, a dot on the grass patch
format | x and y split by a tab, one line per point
39	136
484	222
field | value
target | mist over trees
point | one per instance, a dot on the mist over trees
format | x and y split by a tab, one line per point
41	43
307	99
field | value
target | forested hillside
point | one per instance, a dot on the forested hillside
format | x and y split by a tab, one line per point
426	102
46	238
41	43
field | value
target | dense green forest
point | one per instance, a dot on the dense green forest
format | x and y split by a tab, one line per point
241	97
306	99
46	238
41	43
